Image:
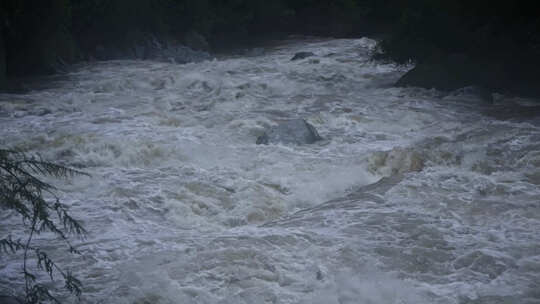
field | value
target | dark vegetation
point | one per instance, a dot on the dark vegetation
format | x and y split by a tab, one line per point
495	44
27	196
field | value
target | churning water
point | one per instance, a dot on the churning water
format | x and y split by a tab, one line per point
411	197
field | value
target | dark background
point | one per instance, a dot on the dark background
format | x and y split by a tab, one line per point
495	44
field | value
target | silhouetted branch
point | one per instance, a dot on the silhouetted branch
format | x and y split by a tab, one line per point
22	191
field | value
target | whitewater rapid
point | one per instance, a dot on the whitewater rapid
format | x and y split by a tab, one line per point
412	196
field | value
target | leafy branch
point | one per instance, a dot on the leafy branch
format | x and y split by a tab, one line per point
23	192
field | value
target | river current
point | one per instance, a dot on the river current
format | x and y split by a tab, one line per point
412	196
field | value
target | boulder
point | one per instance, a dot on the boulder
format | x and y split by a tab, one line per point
442	73
302	55
295	131
501	74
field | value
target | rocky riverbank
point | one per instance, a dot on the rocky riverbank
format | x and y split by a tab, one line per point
454	44
449	72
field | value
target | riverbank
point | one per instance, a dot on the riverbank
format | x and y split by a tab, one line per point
453	44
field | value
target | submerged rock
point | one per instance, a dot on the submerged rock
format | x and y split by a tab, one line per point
296	131
302	55
396	161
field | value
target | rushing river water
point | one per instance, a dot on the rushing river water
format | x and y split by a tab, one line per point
411	197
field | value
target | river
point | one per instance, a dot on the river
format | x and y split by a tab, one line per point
412	196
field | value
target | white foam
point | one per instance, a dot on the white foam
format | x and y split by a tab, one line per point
176	174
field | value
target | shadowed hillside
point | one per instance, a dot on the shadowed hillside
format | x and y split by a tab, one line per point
494	44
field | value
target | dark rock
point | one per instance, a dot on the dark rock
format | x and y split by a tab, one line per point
296	131
302	55
456	71
445	74
319	275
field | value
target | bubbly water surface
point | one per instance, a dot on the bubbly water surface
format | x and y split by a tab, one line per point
411	197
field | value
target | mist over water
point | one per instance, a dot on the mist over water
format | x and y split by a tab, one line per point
411	197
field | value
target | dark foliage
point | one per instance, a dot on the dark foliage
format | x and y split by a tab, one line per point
24	193
40	35
421	28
